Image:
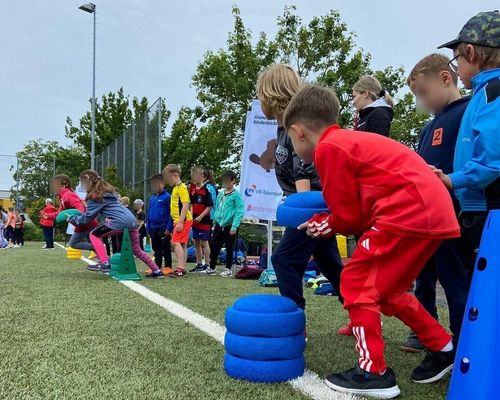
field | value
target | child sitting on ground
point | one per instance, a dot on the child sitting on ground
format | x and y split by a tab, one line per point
103	200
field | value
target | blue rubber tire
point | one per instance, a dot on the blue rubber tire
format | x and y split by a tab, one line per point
265	324
293	217
263	348
265	303
264	371
313	200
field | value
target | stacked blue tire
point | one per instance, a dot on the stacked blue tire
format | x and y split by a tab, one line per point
265	339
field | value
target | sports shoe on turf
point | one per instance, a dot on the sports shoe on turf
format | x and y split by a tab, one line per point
412	344
346	330
434	367
101	267
226	274
360	382
44	247
166	270
196	269
178	273
210	271
158	274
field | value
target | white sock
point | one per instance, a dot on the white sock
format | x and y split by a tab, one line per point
448	347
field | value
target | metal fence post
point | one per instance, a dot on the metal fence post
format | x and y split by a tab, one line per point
145	173
159	135
123	157
133	157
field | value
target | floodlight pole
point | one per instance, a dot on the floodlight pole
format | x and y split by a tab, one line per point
91	8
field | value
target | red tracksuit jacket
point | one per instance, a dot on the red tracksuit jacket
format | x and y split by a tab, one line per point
68	199
49	222
372	181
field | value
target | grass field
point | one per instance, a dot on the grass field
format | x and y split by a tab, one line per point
67	333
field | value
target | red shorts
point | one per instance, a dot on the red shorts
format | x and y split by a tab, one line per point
182	237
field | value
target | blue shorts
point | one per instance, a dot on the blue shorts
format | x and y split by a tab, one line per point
199	234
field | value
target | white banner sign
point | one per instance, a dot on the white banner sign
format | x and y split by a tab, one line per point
258	185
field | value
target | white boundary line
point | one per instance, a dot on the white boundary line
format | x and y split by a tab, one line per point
310	384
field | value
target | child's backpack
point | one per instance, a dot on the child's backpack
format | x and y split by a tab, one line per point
248	272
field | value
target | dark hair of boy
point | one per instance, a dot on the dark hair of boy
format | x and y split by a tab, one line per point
314	106
432	65
157	177
229	175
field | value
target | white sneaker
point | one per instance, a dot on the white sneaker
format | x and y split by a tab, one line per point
44	247
209	271
226	274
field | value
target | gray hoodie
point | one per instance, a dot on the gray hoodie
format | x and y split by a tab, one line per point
115	214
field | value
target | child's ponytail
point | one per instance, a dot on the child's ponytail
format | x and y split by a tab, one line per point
98	186
374	88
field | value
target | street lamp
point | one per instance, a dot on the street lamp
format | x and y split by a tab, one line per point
91	8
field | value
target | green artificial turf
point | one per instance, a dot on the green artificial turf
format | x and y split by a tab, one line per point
67	333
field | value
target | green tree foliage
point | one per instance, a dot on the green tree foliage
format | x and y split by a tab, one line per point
322	51
115	112
39	160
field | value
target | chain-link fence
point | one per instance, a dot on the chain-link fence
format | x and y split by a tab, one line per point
136	154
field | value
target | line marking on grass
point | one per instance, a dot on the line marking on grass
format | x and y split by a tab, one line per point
310	384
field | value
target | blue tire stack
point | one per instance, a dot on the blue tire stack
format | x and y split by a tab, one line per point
265	339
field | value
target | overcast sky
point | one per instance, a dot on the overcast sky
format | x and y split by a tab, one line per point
151	48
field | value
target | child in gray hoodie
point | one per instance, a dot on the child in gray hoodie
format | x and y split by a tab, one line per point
103	200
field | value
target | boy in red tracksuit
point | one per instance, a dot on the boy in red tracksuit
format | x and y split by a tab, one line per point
384	192
68	199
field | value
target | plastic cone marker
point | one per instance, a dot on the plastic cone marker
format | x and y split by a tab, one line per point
126	270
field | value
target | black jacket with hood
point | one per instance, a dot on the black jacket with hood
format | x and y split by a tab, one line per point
376	118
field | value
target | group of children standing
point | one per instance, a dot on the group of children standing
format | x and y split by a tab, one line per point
211	219
416	217
197	211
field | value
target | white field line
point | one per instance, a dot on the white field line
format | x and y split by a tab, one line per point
310	384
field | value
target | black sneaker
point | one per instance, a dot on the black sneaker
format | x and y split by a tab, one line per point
158	274
358	381
101	267
434	367
412	344
196	269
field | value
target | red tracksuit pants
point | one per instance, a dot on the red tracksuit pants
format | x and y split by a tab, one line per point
382	269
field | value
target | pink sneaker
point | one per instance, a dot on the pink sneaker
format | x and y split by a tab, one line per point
346	330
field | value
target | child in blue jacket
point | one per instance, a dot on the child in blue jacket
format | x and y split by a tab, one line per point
475	179
103	200
159	224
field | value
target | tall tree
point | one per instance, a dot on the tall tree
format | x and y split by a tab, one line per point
114	114
322	51
39	160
